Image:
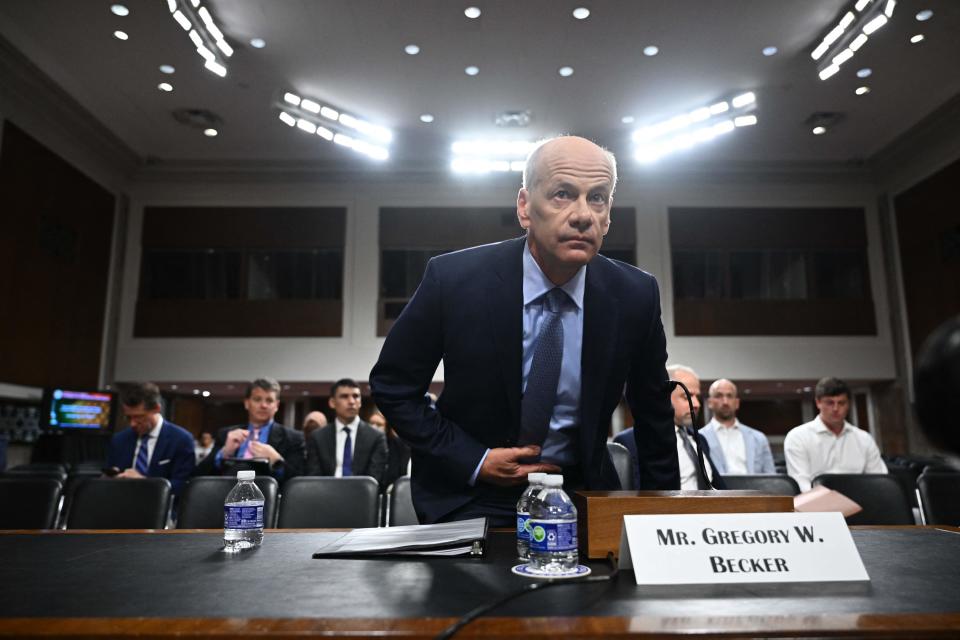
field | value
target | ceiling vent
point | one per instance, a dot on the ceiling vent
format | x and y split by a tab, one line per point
513	119
197	118
825	119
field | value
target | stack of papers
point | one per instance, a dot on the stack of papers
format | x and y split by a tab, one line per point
462	538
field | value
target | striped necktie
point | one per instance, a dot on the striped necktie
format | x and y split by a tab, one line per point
141	465
254	437
347	466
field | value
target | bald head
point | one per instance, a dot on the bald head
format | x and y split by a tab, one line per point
565	204
723	401
559	145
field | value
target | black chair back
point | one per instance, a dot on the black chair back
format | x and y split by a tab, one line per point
53	473
400	511
120	503
29	503
939	493
907	477
775	484
880	496
74	480
201	504
314	502
38	466
624	463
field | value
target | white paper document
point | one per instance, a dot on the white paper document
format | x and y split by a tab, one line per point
465	537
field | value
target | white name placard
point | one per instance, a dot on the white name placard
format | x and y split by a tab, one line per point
727	548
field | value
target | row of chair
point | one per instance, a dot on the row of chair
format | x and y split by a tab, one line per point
306	502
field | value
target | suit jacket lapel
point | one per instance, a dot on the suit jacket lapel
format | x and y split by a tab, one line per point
328	452
600	334
505	316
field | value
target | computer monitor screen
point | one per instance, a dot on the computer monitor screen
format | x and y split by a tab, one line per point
79	411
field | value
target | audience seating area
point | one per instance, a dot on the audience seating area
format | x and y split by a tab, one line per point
47	496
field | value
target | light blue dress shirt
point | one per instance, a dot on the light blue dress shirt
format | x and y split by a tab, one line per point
560	447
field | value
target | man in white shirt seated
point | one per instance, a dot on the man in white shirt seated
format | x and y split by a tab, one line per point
735	448
828	443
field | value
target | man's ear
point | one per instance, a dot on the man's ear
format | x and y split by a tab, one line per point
330	403
523	204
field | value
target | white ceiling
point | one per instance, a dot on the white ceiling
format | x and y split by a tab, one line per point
349	53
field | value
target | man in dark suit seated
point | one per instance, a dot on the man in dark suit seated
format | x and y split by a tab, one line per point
349	446
151	446
261	438
691	476
538	336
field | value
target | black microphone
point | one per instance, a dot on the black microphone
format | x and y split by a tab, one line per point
691	431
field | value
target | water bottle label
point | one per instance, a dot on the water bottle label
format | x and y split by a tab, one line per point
523	526
248	516
552	536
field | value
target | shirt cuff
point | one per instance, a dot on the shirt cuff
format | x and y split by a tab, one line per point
476	472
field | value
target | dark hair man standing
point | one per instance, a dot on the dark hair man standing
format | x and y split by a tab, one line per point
537	336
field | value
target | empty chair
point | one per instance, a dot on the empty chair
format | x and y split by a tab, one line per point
201	504
775	484
907	476
317	502
53	473
29	503
400	510
74	480
880	496
939	495
624	463
107	503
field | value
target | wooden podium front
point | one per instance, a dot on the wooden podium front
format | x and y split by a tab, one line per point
600	513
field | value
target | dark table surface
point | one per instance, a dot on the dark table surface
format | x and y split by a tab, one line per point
186	575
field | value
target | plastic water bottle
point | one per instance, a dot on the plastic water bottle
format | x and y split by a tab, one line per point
243	514
553	529
523	514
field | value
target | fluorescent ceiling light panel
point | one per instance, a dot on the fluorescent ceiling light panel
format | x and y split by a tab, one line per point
874	24
337	123
861	4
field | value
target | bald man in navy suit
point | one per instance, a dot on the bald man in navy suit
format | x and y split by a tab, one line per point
486	311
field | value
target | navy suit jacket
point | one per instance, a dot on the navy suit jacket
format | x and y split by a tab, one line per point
369	451
173	457
468	312
626	438
288	443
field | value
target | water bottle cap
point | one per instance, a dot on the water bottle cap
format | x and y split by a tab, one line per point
553	480
536	478
246	475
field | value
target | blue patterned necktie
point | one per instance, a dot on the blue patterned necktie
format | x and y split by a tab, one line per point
141	463
347	466
540	397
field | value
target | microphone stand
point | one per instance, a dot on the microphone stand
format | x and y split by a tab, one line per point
692	432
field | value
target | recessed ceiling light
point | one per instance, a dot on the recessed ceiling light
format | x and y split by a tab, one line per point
917	38
472	12
196	392
864	73
119	10
862	90
924	15
258	43
426	118
411	49
770	51
651	50
565	71
581	13
627	119
472	70
120	35
165	86
819	131
210	133
205	394
167	68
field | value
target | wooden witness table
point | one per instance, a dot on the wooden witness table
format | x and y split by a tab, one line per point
165	584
